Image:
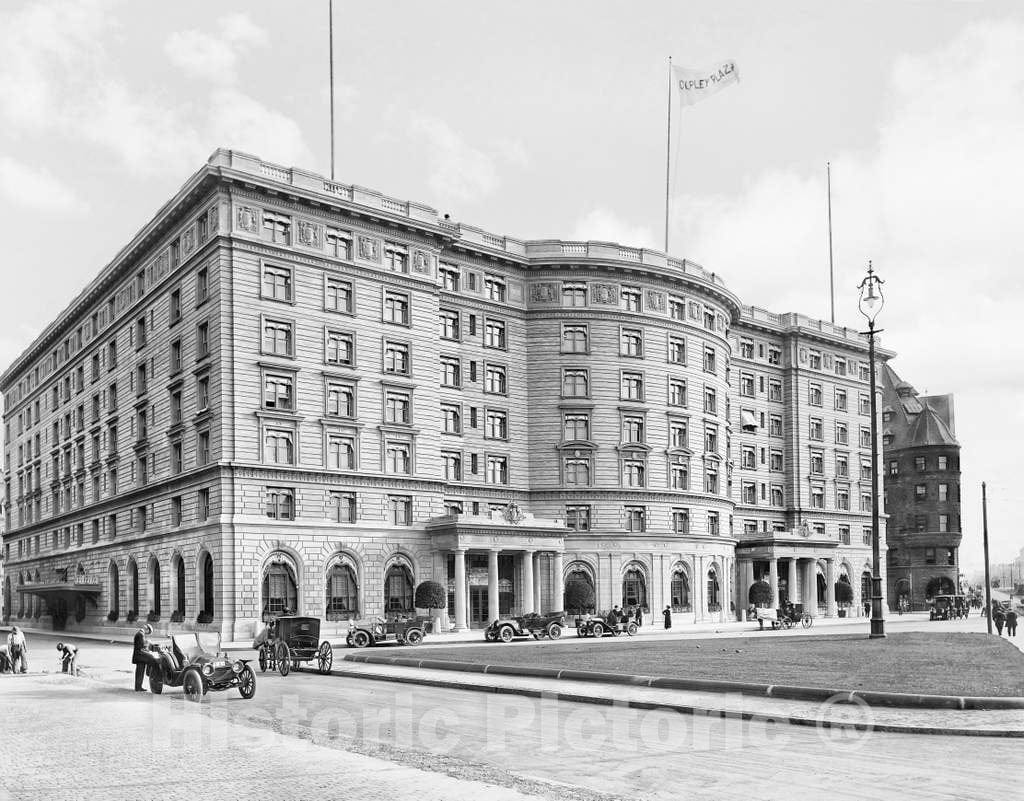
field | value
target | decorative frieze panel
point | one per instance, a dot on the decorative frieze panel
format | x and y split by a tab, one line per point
369	249
603	294
655	300
423	262
310	234
544	292
247	219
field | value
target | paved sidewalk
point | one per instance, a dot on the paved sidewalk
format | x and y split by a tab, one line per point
1006	723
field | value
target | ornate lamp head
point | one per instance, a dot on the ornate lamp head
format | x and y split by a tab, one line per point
871	299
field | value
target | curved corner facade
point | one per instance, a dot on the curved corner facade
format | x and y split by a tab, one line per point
292	394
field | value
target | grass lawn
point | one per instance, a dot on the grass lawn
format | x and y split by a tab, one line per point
912	662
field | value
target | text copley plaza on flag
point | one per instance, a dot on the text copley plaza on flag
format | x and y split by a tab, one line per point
695	85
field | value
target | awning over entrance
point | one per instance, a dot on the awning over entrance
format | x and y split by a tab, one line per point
63	591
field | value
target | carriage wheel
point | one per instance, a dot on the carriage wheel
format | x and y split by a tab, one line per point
597	630
263	660
807	621
247	683
284	664
414	637
325	658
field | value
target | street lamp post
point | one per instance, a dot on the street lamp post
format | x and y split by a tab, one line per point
870	304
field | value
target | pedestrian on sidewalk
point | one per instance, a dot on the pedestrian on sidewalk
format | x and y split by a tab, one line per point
17	647
639	618
68	658
143	655
999	618
668	617
1011	623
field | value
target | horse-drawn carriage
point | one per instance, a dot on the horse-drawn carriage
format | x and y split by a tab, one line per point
785	617
287	642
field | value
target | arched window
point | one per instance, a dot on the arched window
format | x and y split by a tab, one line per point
579	596
207	585
133	586
939	585
634	588
714	602
342	593
280	592
680	592
154	585
114	588
398	590
179	586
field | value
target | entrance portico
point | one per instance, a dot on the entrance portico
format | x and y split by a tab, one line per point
790	566
494	566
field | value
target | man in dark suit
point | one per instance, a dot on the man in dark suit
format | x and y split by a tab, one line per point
143	655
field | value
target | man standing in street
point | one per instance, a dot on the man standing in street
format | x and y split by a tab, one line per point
142	655
17	649
1011	623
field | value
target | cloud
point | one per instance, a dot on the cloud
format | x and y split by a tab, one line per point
35	188
58	78
214	56
602	225
936	204
458	172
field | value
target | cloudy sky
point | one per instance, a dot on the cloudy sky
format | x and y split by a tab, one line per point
539	119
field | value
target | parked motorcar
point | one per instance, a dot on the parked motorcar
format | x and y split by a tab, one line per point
533	625
187	664
288	641
598	626
380	631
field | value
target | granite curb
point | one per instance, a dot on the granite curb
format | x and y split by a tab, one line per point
792	693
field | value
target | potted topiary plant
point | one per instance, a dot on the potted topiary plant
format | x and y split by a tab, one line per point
431	595
132	616
204	618
760	593
844	597
112	616
152	617
579	597
177	616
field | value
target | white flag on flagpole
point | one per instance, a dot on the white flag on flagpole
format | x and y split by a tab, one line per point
695	85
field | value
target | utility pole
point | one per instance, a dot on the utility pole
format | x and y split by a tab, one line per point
988	583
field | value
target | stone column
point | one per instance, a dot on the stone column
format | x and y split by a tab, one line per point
528	582
746	583
724	591
538	601
492	585
460	590
811	587
700	589
773	580
792	586
557	585
830	588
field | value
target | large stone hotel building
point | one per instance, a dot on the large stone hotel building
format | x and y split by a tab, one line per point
287	393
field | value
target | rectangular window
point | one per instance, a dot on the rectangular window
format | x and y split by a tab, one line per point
279	446
495	380
676	308
339	348
449	325
814	395
865	437
842	434
840	400
277	228
576	427
921	492
575	383
632	386
710	360
496	426
842	499
449	278
494	288
397	407
817	497
338	296
711	439
451	419
177	462
815	431
943	492
175	360
630	299
396	308
494	334
176	510
777	495
746	349
577	517
714	527
574	295
340	400
943	463
339	244
679	476
677	350
574	339
747	385
815	358
681	521
342	506
943	523
278	392
678	434
576	471
842	466
497	470
203	504
452	462
634	473
278	338
817	463
280	503
202	393
277	283
636	518
749	493
396	258
748	457
711	478
396	358
398	458
202	285
631	342
341	452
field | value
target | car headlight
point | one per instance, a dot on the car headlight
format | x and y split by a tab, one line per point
236	667
208	669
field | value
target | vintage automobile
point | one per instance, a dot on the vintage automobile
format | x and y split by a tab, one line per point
289	641
187	664
533	625
947	607
598	626
784	617
379	631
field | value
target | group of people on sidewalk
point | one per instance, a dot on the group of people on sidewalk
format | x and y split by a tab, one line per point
1007	618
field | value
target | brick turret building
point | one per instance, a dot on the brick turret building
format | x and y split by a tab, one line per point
922	492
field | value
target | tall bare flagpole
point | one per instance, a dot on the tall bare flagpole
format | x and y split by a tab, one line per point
831	272
330	36
668	149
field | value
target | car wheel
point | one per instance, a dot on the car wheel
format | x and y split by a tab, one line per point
284	664
247	683
554	631
579	631
414	637
360	639
156	684
806	621
325	658
263	660
192	684
597	630
505	634
348	640
631	629
489	636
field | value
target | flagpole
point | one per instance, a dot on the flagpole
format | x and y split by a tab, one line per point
831	271
668	150
330	38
